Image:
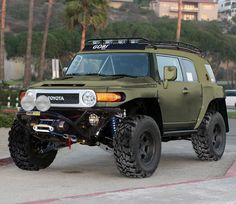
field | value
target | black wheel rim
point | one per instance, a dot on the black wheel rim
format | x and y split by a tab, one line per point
217	137
146	148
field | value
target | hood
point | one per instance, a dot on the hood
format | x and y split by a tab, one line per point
95	82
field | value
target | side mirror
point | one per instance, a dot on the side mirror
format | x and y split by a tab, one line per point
64	70
170	74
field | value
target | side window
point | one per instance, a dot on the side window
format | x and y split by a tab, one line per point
230	93
190	71
210	73
163	61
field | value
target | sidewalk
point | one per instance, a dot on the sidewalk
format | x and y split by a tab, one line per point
4	152
211	191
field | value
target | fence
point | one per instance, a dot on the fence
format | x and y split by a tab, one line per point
8	99
11	102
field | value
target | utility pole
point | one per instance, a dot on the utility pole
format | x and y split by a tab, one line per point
178	31
45	38
2	40
28	71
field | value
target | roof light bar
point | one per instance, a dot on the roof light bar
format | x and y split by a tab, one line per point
117	41
96	42
137	44
108	41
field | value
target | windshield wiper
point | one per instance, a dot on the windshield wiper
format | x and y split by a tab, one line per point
89	74
94	74
72	74
103	75
122	75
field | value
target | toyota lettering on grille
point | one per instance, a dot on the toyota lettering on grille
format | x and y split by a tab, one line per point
62	98
56	98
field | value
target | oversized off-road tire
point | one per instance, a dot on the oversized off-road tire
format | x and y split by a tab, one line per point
137	146
209	142
25	149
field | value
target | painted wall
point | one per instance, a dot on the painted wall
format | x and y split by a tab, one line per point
14	69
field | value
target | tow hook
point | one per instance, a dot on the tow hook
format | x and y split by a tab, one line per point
70	139
43	128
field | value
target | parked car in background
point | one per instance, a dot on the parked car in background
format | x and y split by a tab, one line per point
230	98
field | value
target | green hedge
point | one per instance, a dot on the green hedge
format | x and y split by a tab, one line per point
232	114
4	94
6	119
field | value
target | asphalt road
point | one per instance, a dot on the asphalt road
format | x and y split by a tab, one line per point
86	170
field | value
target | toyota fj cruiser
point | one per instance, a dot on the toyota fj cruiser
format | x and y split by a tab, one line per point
129	95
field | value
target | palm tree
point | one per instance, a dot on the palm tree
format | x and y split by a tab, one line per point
45	38
86	13
2	47
178	32
28	71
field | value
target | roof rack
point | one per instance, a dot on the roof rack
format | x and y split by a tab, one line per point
176	45
137	43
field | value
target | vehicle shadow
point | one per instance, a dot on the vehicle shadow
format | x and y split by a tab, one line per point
103	164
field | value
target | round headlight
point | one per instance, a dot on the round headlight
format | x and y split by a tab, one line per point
94	119
43	103
89	98
29	93
28	103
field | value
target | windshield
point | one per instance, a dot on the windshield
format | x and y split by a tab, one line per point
109	64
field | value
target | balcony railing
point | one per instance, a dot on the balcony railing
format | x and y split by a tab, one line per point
185	9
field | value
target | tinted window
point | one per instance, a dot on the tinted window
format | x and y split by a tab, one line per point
190	70
230	93
163	61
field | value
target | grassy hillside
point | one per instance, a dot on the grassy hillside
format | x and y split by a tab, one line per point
17	14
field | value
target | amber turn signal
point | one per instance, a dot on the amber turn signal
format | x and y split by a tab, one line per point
21	94
109	97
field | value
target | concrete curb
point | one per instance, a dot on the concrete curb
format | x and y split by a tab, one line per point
230	173
5	161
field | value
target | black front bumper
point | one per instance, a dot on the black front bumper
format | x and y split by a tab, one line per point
77	120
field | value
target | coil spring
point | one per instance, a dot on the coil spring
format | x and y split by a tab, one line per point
114	123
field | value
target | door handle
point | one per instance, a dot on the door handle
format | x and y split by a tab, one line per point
185	91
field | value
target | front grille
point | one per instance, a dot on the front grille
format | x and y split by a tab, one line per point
61	98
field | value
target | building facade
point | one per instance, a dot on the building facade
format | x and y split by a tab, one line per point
14	69
227	8
199	10
118	3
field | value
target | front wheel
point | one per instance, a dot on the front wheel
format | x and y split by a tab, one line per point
137	146
209	142
28	152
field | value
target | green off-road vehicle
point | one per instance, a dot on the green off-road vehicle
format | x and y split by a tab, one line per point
129	95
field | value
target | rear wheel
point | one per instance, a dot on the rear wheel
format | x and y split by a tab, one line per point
28	152
137	146
209	142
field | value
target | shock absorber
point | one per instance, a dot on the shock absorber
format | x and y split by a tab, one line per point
113	125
